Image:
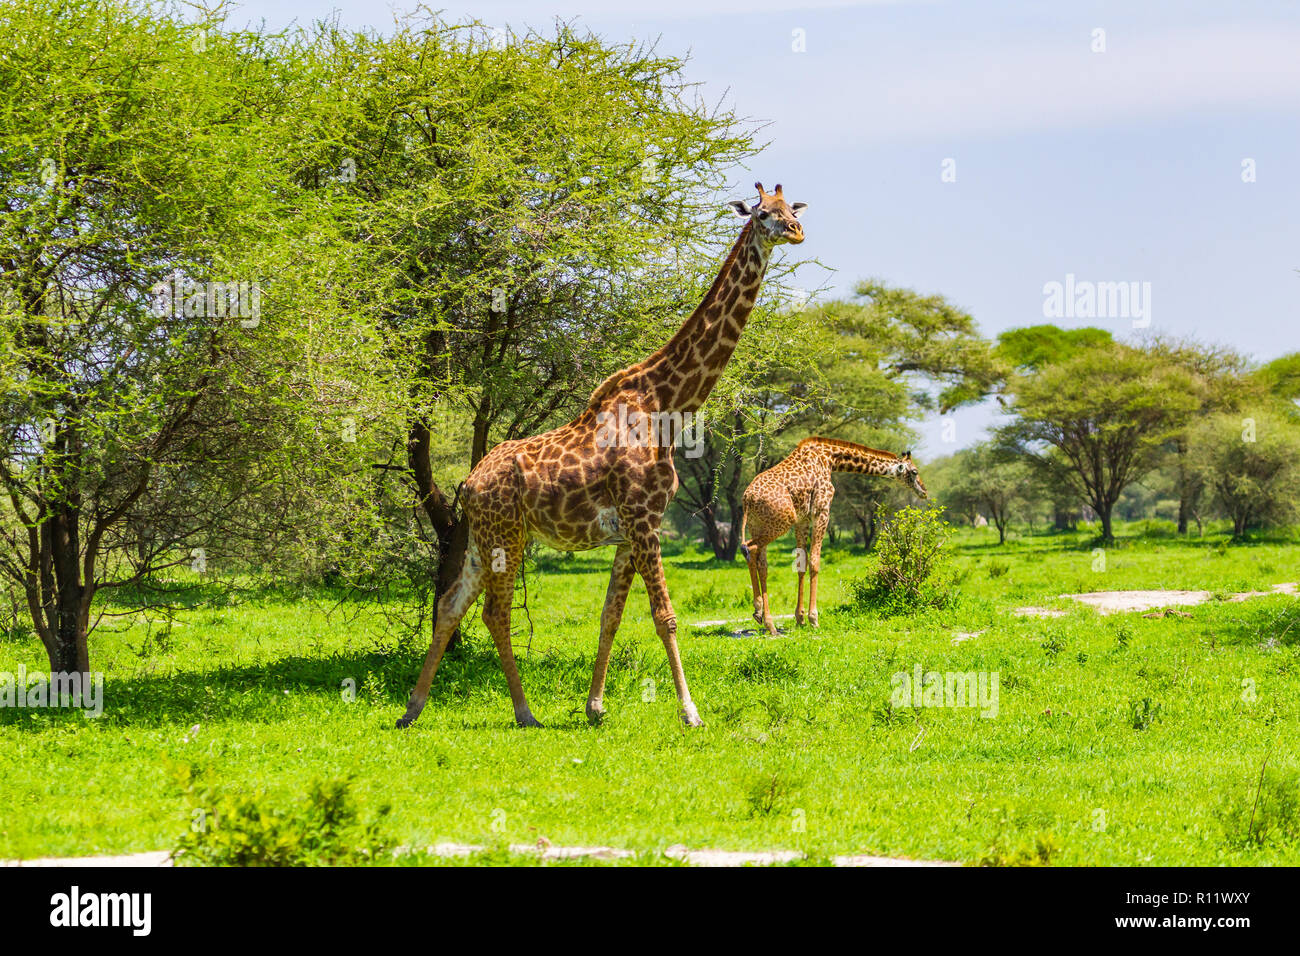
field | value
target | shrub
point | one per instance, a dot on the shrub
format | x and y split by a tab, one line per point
239	830
1266	812
1144	713
913	571
767	793
1008	849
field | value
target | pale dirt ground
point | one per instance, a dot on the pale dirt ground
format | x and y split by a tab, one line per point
543	852
1114	602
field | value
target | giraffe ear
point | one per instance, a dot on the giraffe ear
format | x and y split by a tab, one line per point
741	209
797	208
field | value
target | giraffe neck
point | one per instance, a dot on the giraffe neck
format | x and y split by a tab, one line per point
849	457
684	371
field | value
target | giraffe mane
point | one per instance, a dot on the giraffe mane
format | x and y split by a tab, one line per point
841	443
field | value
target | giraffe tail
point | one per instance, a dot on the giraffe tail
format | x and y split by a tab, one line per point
744	520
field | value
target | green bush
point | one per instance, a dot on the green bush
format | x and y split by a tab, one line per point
239	830
1266	812
913	571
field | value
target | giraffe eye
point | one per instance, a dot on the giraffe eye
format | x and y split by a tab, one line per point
762	215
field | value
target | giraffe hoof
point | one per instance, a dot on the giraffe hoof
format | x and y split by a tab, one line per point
595	715
527	720
408	718
691	718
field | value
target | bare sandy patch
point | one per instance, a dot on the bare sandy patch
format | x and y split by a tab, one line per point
1116	602
542	850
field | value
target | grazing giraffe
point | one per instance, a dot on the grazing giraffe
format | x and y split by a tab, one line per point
605	477
798	491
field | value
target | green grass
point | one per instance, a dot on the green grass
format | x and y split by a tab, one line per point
1119	739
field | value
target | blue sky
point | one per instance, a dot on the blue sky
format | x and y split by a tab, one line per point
1122	165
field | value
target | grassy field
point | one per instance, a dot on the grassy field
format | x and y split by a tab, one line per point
1119	739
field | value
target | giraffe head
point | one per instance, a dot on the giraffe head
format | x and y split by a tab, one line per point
775	219
906	472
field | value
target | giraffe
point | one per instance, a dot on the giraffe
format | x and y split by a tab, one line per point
798	491
605	477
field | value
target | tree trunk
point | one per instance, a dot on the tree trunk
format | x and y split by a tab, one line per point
451	530
867	520
57	597
1107	535
724	547
1184	488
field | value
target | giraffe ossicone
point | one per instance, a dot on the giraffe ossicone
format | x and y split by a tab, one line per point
797	492
570	491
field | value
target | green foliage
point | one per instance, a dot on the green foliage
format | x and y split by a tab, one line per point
323	829
912	570
148	408
1143	713
1281	378
1250	463
1266	812
1041	850
890	355
984	480
1038	346
769	792
1096	420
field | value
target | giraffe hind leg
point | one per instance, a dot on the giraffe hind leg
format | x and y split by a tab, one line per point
800	567
751	559
762	605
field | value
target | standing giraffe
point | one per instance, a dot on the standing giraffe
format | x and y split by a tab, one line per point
798	491
605	478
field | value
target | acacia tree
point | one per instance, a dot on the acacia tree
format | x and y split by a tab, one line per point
1251	464
146	389
988	483
1106	410
1280	379
1219	382
530	212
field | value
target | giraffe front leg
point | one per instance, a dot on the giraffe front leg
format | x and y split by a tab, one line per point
800	567
815	566
649	564
497	601
620	579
